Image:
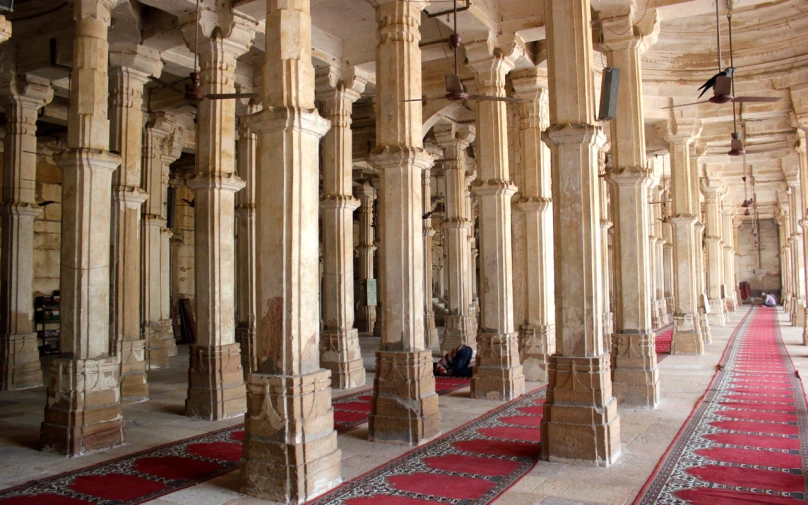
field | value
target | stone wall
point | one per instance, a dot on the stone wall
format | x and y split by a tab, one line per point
761	269
48	227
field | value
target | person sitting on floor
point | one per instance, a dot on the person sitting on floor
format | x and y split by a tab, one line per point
455	363
769	300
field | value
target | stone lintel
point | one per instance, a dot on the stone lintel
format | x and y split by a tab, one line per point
635	374
498	372
215	383
19	366
340	353
580	425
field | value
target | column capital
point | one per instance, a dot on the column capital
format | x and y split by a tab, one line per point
454	136
96	9
235	32
681	131
530	84
630	31
491	64
167	133
333	85
27	91
365	193
139	61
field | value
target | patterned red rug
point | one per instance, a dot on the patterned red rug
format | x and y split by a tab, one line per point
147	475
470	465
747	440
662	341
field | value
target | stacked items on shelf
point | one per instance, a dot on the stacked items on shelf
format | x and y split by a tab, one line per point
46	323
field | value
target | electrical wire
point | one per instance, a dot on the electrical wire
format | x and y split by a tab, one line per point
647	2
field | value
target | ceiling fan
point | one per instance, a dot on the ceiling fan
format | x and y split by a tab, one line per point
193	92
455	92
724	86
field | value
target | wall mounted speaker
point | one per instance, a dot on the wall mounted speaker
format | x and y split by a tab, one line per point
608	94
6	5
171	199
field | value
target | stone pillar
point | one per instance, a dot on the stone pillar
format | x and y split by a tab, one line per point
83	410
537	333
430	331
131	67
580	423
215	377
701	278
635	370
667	254
802	167
245	243
161	147
339	341
728	235
290	446
606	229
366	320
792	175
498	372
404	408
711	187
783	222
5	29
460	327
22	98
687	336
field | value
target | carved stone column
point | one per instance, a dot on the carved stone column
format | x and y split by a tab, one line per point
606	233
22	98
687	336
339	342
784	223
498	372
728	236
461	325
83	410
701	278
711	187
581	424
131	67
667	253
366	320
792	175
290	446
802	168
215	377
537	334
245	243
161	147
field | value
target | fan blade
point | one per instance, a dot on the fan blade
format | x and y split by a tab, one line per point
167	84
415	100
686	104
453	84
225	96
466	106
481	98
755	99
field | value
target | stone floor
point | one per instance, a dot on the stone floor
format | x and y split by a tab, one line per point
646	434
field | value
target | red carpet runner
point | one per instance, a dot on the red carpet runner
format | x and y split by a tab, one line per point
663	339
147	475
747	440
470	465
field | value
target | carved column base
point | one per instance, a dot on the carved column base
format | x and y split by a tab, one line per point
635	374
730	301
134	384
404	409
534	342
160	344
366	318
20	367
215	383
245	338
83	410
718	312
497	374
430	331
340	353
704	324
459	330
580	425
687	338
290	446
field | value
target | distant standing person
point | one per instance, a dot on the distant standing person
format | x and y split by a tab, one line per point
769	300
455	363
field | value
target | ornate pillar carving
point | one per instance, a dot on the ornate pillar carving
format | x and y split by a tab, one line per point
711	187
366	320
802	166
728	236
577	427
22	98
430	331
667	253
607	253
290	446
83	410
791	170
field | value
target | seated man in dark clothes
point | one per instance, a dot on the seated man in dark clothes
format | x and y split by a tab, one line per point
455	363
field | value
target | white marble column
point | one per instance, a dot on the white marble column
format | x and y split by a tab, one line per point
366	320
22	97
215	377
83	410
579	428
711	187
498	371
339	340
290	446
131	67
537	332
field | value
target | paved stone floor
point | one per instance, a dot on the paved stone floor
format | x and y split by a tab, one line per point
645	434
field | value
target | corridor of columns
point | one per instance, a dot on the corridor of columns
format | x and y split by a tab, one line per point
237	235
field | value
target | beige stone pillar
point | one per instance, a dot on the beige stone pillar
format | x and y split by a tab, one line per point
580	423
698	242
498	372
366	319
339	341
537	333
245	243
377	231
404	408
460	326
635	371
791	171
161	147
290	446
687	336
802	166
22	98
711	187
131	67
606	232
657	244
784	224
430	331
728	235
215	377
83	410
667	254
